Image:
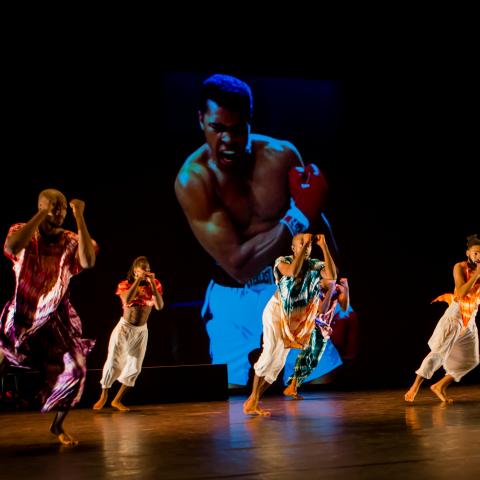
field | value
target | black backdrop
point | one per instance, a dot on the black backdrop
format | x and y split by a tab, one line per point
396	153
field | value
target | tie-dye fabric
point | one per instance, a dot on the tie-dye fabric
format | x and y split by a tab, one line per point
468	304
308	359
299	297
39	328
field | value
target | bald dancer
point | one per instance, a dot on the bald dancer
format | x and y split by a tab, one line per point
289	317
39	328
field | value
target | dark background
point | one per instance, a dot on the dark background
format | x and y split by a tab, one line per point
396	150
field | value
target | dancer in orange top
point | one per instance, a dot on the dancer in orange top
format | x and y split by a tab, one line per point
128	342
454	343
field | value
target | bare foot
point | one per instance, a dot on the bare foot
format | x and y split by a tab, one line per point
262	412
411	394
291	391
447	398
63	437
250	407
66	439
298	397
439	393
120	406
101	402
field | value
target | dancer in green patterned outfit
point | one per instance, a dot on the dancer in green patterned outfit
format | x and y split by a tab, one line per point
289	317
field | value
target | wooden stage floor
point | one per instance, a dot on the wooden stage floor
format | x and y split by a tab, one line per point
329	435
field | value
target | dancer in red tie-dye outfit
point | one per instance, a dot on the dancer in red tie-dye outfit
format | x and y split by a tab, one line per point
38	327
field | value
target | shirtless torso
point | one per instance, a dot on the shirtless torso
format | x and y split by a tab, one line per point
235	212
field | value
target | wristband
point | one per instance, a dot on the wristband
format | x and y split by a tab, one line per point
295	220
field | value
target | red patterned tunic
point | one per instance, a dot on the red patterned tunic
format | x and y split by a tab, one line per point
39	328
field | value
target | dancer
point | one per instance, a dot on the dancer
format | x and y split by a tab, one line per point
128	341
289	317
454	343
39	328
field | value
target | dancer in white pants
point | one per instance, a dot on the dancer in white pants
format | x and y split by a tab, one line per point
454	343
128	342
289	317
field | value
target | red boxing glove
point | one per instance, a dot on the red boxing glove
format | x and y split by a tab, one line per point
308	189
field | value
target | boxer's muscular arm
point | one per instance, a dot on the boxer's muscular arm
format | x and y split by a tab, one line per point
214	230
